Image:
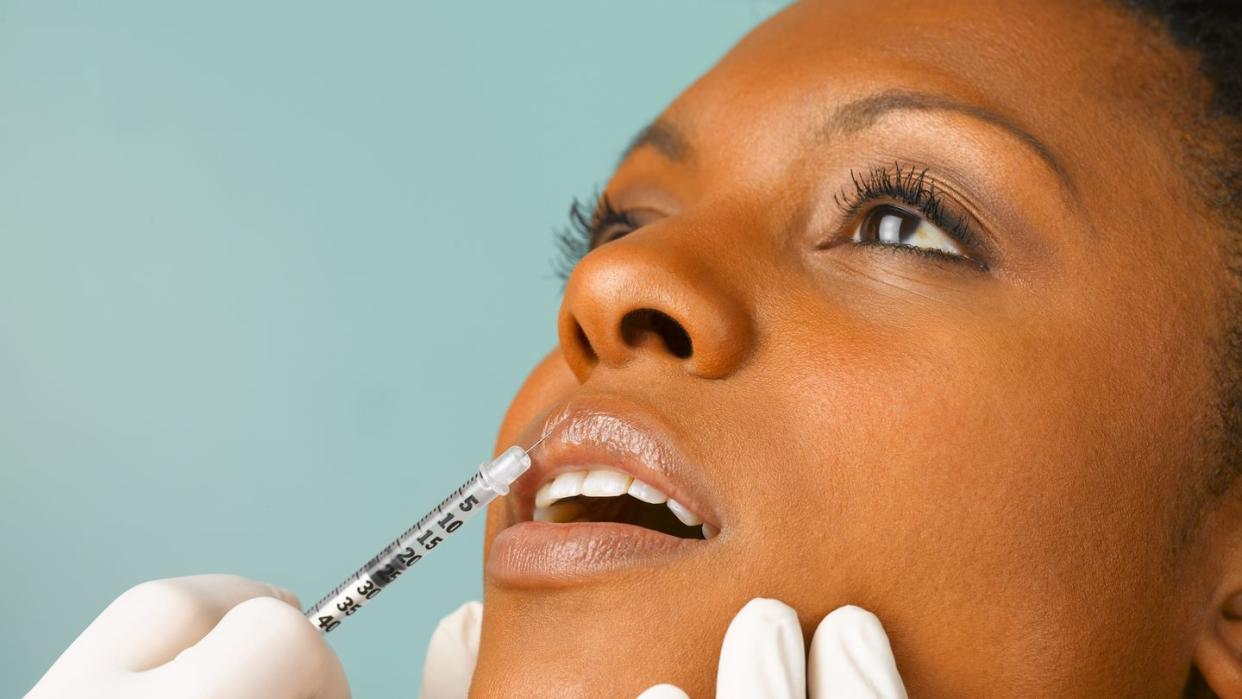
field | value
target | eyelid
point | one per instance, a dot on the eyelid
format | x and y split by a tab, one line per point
624	221
931	253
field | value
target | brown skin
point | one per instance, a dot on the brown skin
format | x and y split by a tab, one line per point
1004	465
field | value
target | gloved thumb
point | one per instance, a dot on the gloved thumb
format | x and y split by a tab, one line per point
850	658
452	653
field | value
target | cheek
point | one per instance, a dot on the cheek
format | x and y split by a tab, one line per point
939	471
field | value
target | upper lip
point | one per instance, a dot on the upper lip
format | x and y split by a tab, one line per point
609	433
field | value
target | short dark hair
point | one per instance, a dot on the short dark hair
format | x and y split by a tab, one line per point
1211	31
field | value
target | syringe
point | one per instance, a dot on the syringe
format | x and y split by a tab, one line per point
492	481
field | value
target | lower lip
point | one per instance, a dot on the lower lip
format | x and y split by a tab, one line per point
548	554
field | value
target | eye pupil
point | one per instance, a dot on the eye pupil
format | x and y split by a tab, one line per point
890	225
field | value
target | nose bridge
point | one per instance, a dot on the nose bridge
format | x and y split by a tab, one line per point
657	292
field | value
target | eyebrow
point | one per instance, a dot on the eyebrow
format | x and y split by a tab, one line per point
862	113
667	139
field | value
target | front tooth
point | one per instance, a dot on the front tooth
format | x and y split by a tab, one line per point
544	496
604	484
647	493
566	485
709	531
687	517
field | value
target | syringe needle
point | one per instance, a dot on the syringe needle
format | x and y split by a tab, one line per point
538	442
547	434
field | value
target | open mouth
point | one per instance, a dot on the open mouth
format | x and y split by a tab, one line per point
607	495
608	491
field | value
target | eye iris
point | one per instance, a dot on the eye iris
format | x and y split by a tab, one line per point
890	225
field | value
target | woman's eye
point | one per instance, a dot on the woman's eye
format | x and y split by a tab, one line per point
890	225
613	223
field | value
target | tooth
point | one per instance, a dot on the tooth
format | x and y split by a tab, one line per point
544	496
603	484
709	531
647	493
566	485
687	517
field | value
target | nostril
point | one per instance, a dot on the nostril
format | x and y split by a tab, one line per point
675	336
644	321
585	343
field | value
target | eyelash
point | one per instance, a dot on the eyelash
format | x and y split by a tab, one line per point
587	226
909	186
914	188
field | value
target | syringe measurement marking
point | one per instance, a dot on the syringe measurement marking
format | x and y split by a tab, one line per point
400	555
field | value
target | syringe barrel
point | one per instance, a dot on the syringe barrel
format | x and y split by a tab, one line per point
492	480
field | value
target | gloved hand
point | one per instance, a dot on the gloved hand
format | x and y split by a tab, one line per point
206	635
762	657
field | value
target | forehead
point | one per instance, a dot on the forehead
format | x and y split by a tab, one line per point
1068	72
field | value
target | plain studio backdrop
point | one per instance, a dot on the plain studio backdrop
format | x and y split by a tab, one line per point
270	273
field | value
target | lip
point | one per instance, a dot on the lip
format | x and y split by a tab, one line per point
596	432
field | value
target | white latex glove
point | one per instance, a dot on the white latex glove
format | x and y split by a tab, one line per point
762	657
451	654
201	636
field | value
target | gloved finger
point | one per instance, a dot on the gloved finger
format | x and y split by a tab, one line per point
762	656
851	657
663	691
150	623
452	653
262	648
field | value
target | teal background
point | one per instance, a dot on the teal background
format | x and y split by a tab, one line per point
270	273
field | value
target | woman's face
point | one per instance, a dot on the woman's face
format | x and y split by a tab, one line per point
909	302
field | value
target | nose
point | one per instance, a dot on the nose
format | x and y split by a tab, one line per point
647	295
